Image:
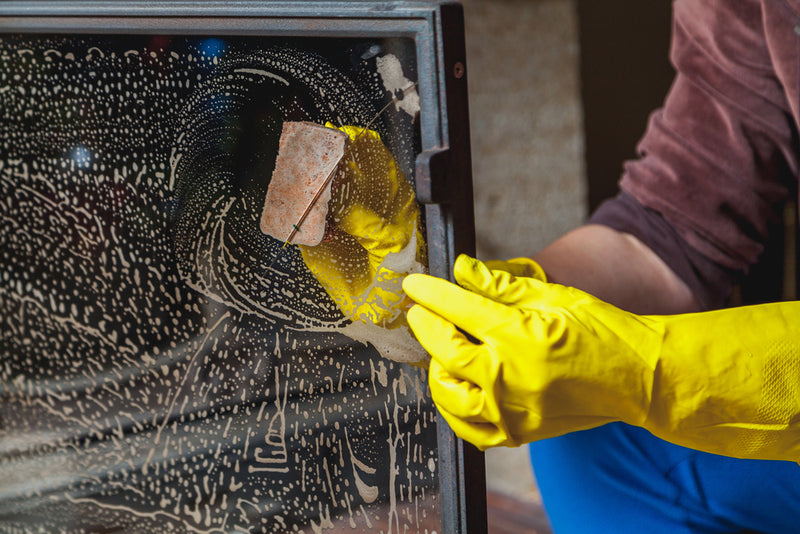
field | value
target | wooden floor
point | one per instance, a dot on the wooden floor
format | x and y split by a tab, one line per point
508	515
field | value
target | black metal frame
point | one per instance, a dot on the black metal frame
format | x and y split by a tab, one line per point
443	169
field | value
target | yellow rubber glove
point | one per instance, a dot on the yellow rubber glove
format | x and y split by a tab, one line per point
553	359
372	239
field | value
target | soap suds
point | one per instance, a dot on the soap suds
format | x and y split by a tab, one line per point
394	81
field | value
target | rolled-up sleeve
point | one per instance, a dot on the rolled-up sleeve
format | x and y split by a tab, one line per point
717	161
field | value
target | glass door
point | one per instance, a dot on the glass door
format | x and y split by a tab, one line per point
167	366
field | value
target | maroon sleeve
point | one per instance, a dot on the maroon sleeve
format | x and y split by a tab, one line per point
719	158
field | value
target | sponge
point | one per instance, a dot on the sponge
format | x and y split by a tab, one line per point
307	155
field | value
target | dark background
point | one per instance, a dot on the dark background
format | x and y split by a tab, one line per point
625	74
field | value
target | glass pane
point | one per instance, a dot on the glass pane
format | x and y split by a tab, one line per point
164	365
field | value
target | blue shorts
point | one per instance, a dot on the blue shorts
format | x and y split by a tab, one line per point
621	479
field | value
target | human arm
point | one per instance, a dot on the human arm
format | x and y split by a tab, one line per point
716	160
719	158
515	359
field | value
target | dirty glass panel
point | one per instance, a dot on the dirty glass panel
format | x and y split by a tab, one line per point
164	365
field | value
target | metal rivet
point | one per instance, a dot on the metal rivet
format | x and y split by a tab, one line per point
458	70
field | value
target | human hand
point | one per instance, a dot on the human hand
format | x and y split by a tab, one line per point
548	359
373	239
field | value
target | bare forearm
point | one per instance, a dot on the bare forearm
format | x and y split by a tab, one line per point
618	268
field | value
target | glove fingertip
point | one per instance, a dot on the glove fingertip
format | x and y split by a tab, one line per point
417	286
474	275
465	263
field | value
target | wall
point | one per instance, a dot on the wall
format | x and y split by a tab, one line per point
525	117
527	146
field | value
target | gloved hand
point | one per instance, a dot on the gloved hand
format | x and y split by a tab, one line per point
553	359
373	239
